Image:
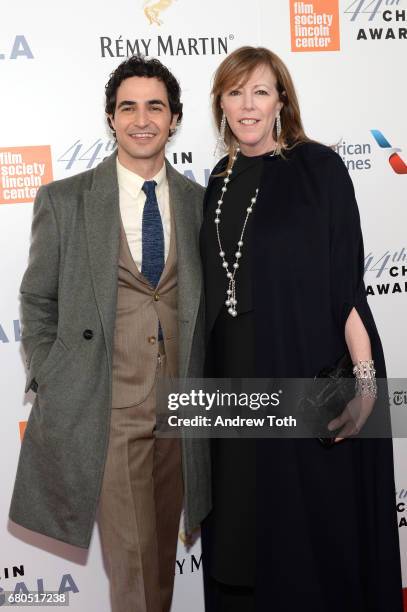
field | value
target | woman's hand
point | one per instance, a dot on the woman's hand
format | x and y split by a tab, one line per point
353	417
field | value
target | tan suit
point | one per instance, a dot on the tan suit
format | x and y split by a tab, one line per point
141	497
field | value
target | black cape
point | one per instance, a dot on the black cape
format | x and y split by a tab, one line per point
325	520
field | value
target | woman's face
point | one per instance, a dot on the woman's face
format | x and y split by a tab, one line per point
251	110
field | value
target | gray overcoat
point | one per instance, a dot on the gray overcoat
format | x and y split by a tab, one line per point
69	294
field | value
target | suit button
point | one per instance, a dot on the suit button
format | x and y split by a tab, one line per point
156	297
152	340
88	334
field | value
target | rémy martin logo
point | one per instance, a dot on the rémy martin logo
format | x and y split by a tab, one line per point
153	9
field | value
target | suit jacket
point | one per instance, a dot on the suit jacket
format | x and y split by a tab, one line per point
134	367
69	295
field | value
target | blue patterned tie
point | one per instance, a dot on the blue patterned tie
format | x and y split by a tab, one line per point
153	236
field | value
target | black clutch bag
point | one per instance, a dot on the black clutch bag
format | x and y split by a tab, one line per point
327	397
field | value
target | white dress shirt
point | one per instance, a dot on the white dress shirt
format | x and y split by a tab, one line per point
132	200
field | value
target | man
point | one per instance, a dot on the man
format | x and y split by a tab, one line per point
111	301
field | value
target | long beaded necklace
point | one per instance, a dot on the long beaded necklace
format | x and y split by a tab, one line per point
231	301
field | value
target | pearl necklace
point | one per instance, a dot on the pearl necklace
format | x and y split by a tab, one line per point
231	301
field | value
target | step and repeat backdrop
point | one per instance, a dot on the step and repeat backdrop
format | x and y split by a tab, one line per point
348	62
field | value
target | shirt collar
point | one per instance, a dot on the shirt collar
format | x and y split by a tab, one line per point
132	182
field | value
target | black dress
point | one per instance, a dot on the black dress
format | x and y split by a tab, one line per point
303	527
230	354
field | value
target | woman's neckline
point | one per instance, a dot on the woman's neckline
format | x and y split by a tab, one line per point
266	154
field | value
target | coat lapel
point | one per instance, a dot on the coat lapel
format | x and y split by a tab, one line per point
102	219
188	261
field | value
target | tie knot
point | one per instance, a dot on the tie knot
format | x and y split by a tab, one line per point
149	187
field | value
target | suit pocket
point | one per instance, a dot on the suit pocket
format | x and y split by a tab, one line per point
55	358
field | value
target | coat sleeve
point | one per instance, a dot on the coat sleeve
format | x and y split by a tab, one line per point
39	287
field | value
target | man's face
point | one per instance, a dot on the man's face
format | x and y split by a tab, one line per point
142	120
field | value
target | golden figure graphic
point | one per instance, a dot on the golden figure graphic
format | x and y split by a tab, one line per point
153	8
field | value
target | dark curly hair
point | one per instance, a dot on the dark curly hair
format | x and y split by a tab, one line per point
139	66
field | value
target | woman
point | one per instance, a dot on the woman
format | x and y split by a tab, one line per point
294	526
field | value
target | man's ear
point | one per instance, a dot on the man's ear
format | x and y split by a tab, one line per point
110	122
173	124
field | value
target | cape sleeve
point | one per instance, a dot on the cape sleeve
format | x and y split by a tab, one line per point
347	256
346	244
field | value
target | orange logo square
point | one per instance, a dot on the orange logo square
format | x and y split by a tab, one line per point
315	25
22	172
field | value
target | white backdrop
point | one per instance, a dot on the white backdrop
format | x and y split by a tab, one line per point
348	62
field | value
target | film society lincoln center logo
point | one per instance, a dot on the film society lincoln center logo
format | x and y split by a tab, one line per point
315	25
22	172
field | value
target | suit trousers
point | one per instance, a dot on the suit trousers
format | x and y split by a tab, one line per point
140	507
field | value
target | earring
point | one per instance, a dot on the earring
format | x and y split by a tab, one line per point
220	143
278	126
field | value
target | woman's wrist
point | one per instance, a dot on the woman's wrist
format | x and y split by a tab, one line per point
365	374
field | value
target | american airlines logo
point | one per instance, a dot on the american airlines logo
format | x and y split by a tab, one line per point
396	162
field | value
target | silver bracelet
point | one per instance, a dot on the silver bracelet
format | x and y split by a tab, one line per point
365	384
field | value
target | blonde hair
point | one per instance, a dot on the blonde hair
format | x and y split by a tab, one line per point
235	70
